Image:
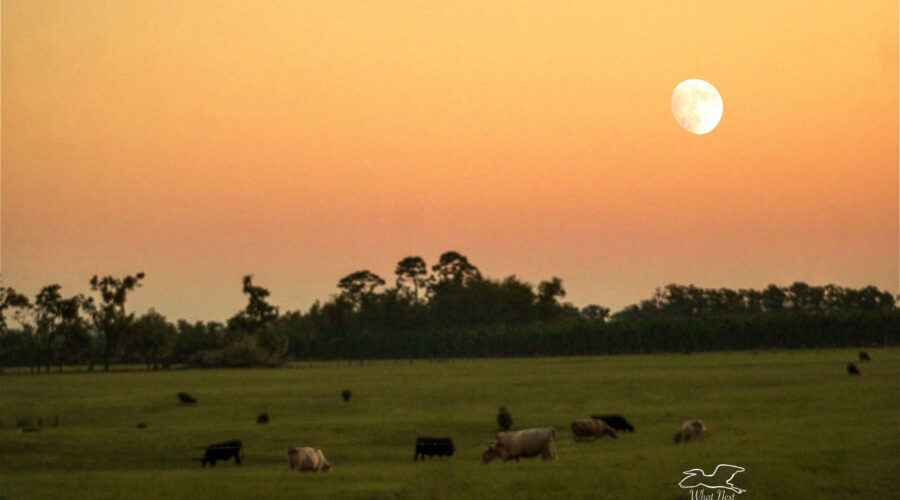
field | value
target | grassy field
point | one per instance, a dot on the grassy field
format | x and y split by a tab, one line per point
798	424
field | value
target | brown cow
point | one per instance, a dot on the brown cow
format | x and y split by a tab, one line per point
691	429
518	444
306	458
591	428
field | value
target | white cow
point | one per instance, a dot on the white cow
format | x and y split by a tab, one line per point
306	458
691	429
522	444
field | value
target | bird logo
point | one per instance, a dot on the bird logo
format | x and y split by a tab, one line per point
720	478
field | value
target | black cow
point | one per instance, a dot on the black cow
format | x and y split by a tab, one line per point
852	369
504	419
617	422
262	418
186	398
428	446
223	451
346	395
864	356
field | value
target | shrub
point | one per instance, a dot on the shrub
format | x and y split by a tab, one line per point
242	353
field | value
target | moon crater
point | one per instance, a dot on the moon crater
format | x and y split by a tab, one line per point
697	106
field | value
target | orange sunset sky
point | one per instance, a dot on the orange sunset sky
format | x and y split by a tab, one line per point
199	141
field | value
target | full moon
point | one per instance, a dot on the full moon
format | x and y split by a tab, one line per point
697	106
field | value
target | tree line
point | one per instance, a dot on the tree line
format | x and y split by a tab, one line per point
447	310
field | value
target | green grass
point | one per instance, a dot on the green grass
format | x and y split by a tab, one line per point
798	424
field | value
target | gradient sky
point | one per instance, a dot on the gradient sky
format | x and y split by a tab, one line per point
199	141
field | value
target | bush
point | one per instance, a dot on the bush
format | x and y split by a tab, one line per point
242	353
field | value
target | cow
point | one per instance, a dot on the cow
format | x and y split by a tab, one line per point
223	451
346	395
864	356
525	443
852	369
591	428
186	398
429	446
263	418
504	419
691	429
303	458
617	422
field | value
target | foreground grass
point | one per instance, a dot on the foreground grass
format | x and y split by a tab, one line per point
798	424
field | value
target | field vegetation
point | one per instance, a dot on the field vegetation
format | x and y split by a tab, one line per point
794	419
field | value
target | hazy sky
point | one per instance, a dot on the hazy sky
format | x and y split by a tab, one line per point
199	141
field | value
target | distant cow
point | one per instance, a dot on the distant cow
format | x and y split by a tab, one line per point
504	419
591	428
522	444
864	356
852	369
691	429
223	451
346	395
302	458
186	398
429	447
617	422
263	418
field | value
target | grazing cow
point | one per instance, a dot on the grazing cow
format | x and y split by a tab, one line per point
591	428
617	422
263	418
302	458
186	398
141	425
346	395
691	429
504	419
864	356
522	444
223	451
852	369
429	447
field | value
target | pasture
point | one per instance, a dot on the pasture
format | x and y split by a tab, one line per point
798	424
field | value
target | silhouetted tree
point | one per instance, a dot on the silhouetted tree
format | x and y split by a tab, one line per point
548	293
258	314
774	299
454	268
356	286
411	273
595	313
197	337
74	331
153	339
9	299
109	315
47	312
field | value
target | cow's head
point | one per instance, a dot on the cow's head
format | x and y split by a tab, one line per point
491	452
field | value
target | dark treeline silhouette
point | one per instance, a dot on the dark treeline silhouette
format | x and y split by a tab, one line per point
451	311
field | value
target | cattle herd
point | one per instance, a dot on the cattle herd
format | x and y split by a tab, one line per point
507	445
